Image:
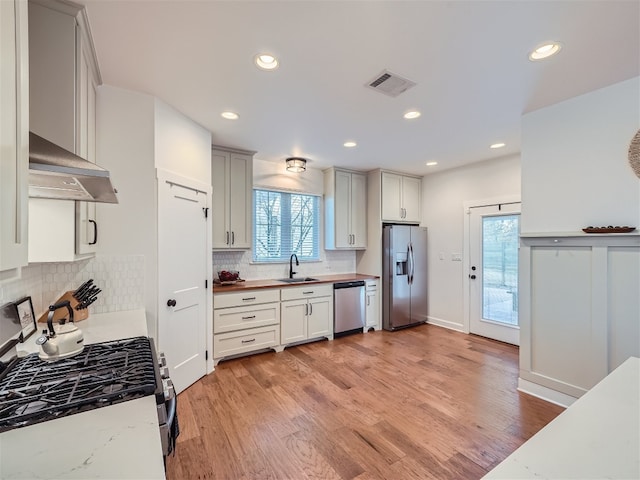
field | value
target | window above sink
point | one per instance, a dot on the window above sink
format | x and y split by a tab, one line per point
285	223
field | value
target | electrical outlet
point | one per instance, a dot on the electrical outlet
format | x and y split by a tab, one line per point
456	257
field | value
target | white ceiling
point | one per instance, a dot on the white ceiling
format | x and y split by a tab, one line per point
468	58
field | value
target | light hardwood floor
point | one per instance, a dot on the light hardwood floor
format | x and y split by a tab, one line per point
424	402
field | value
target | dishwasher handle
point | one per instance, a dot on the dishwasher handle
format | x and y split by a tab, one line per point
356	283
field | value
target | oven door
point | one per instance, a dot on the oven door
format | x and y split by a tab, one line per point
167	410
168	420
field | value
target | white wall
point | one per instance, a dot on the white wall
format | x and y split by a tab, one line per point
275	175
443	196
136	134
179	147
125	147
575	170
579	302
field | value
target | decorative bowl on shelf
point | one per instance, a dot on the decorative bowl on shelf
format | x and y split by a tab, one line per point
609	229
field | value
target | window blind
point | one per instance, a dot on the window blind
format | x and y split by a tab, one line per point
285	223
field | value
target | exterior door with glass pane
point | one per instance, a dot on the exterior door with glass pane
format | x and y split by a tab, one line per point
494	239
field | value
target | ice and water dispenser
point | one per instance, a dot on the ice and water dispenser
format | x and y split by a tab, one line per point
401	263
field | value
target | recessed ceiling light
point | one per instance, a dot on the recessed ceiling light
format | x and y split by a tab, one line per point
545	50
350	144
497	145
230	115
431	164
266	61
410	115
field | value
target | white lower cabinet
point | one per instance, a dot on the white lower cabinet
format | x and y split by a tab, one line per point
252	320
293	324
240	318
372	308
245	322
243	341
307	313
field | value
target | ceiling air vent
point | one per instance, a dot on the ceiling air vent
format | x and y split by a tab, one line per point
389	83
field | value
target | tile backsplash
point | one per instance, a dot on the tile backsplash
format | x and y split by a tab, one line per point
29	284
330	262
121	278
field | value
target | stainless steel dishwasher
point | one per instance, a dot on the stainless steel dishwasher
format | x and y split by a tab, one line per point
348	307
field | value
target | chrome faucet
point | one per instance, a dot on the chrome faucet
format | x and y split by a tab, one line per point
291	272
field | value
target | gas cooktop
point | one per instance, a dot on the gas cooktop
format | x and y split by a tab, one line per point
33	391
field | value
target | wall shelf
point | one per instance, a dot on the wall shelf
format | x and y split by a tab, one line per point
635	233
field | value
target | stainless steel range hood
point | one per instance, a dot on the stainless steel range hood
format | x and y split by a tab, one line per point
59	174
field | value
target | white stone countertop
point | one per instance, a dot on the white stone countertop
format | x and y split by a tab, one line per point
121	441
597	437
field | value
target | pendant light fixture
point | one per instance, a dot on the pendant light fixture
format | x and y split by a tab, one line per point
296	164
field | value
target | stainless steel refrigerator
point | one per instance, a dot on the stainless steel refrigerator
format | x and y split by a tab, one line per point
404	276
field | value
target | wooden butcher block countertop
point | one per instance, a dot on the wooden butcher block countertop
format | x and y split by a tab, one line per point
273	283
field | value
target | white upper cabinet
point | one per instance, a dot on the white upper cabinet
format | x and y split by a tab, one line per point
345	197
64	78
86	222
232	180
14	137
401	198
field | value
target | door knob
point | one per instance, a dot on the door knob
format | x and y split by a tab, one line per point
472	277
171	303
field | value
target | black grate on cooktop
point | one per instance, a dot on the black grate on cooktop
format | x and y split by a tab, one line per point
33	390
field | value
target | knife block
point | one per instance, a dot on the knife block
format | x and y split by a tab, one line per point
78	315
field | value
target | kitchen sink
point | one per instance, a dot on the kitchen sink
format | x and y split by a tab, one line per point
298	280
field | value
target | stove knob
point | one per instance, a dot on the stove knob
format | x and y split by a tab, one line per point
168	389
162	361
164	373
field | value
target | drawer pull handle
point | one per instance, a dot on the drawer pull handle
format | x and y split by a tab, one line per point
249	341
249	318
248	299
307	293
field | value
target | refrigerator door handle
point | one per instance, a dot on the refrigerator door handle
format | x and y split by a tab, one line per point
409	261
408	265
413	264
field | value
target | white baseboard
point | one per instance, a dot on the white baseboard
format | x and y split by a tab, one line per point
446	324
547	394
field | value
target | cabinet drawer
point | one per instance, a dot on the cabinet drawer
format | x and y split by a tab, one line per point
371	285
241	318
307	291
250	297
225	344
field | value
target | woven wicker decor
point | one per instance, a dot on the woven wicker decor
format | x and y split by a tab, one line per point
634	154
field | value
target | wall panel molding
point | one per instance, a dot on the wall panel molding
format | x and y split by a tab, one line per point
579	318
